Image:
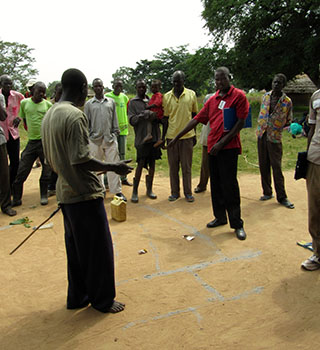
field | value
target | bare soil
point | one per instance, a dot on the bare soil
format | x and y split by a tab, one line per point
214	292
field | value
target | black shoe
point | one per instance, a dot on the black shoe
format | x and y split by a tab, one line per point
265	197
10	212
199	189
189	198
122	196
216	223
126	182
285	202
16	203
173	198
240	233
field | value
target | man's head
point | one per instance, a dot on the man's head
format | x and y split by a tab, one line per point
97	86
155	86
222	78
178	78
117	86
279	82
6	84
74	86
57	92
39	92
141	88
30	85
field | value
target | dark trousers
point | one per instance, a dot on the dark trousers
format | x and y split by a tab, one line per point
225	193
5	188
53	181
270	156
204	172
122	145
13	149
32	151
180	153
90	255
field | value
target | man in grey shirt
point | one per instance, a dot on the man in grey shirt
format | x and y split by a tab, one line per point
103	132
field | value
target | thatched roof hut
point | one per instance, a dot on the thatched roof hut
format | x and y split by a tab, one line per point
300	89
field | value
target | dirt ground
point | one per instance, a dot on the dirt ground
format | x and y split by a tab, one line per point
214	292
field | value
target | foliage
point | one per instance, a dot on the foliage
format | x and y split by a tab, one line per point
16	61
50	88
125	74
268	37
198	68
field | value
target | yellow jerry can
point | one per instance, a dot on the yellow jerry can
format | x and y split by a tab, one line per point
118	209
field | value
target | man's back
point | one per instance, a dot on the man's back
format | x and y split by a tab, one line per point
65	141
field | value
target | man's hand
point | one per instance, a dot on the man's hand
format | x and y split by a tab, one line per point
16	122
149	115
216	148
172	143
194	140
121	168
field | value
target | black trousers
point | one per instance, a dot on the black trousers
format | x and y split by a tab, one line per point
225	193
5	189
32	151
90	255
13	149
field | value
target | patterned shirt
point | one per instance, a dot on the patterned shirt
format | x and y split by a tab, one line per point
274	123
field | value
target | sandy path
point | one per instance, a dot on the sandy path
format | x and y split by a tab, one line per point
214	292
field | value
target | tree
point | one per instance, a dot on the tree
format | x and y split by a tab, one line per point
16	61
167	62
50	88
267	37
125	74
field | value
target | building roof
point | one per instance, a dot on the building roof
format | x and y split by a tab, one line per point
301	84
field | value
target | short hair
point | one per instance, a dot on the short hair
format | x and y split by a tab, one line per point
282	77
96	79
4	76
117	80
156	81
224	70
58	86
39	83
140	81
73	79
179	72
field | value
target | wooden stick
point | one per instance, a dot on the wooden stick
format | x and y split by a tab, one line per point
37	228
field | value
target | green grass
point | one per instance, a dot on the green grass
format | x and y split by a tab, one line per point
248	161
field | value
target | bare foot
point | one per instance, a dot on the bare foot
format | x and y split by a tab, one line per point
116	307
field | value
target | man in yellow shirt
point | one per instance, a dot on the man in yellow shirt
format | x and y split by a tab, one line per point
180	106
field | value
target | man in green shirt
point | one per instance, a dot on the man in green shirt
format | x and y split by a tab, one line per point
32	111
121	101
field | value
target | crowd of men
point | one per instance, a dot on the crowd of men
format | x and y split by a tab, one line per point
77	145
